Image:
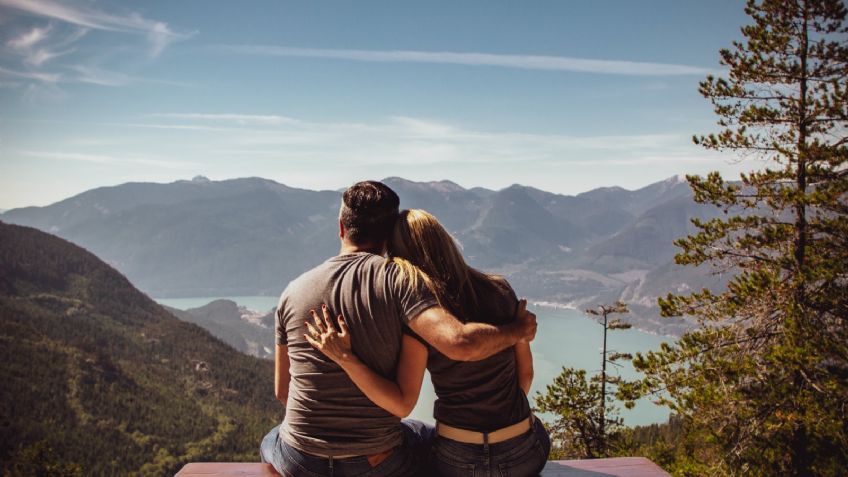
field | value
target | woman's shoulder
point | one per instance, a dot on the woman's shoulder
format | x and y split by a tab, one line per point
495	296
500	285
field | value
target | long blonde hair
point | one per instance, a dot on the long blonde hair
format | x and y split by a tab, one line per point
418	244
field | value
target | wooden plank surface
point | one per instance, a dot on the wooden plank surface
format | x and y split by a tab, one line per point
227	469
615	467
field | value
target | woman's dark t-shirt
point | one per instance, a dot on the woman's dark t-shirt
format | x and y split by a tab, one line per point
484	395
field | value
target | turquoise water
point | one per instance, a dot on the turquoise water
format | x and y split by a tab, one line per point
565	338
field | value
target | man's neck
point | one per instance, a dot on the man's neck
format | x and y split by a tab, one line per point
348	247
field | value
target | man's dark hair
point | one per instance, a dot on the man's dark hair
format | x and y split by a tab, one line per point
369	211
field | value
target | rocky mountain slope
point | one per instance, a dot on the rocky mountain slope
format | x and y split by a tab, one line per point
248	331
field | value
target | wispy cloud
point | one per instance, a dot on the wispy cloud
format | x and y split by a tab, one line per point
35	47
242	119
33	75
328	154
86	74
30	55
407	140
109	159
531	62
410	140
102	77
29	38
158	33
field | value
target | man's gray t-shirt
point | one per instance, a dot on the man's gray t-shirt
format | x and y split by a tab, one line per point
326	414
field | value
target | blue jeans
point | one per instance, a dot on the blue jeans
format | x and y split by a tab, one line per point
409	459
520	456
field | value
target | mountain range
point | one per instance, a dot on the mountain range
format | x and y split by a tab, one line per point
98	379
251	236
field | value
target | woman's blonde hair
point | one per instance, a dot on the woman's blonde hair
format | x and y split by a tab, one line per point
419	244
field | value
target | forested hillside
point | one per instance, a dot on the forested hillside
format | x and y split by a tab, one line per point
100	380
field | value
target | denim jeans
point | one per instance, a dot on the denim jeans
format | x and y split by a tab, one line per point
520	456
409	459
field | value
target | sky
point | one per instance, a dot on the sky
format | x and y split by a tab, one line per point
565	96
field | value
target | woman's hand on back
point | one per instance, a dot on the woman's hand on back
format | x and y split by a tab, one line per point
324	337
398	396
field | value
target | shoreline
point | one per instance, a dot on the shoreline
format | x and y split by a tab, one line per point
552	305
571	306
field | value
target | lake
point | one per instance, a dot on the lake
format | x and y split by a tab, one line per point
566	337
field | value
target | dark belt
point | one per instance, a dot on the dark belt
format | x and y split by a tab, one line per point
373	459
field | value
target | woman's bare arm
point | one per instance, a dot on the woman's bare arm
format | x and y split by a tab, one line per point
524	365
282	376
397	397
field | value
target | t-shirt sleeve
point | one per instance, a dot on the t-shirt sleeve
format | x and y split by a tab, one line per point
279	325
411	300
408	331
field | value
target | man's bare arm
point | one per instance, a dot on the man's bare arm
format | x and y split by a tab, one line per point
472	341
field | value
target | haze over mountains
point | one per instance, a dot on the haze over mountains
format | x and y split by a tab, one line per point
251	236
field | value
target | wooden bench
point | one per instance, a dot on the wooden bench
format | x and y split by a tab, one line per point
615	467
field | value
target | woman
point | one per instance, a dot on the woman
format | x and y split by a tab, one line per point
484	425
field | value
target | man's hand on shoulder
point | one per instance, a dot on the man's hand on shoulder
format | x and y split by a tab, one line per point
525	321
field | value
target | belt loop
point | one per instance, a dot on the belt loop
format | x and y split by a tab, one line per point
331	466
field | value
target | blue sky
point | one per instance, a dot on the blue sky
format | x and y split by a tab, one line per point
561	95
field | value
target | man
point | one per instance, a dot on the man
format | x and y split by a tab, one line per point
330	427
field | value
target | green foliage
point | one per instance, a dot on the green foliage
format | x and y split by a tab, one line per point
100	380
577	431
763	381
672	445
39	460
587	422
574	400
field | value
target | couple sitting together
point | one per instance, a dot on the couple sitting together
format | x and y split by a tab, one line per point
355	334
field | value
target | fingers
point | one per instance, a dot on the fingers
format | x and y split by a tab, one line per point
314	343
312	331
319	323
328	320
531	332
342	326
528	318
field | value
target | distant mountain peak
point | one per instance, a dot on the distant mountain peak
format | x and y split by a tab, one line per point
200	179
439	186
676	179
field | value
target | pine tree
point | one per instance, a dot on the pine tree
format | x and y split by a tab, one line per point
763	381
604	311
587	422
